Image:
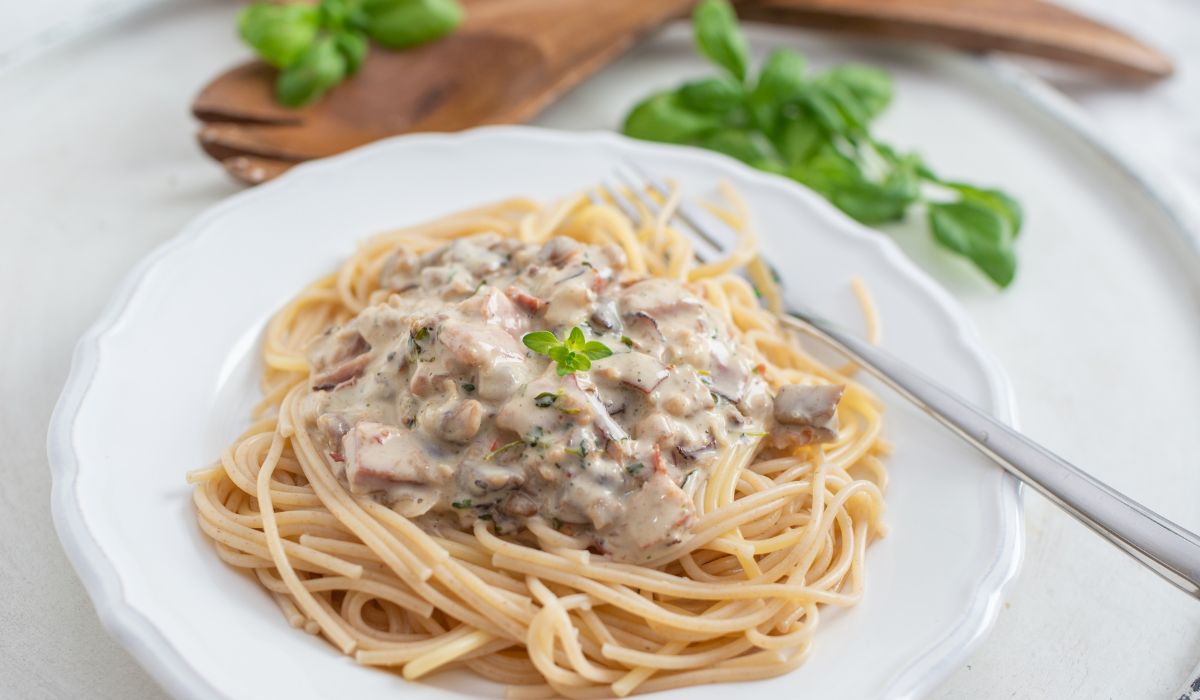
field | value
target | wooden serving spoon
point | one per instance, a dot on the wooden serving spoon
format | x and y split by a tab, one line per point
1029	27
511	58
508	61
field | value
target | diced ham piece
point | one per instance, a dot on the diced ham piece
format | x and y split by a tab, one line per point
478	345
497	309
524	299
341	375
656	516
335	347
392	460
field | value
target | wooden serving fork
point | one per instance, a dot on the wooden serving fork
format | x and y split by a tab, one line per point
508	61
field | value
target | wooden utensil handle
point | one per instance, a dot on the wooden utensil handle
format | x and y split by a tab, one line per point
568	31
1028	27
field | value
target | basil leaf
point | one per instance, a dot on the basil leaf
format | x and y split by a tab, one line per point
746	145
319	68
798	138
780	80
334	14
852	115
716	95
842	181
979	233
827	169
663	117
540	341
871	203
353	47
824	109
595	350
280	34
718	36
998	201
397	24
871	87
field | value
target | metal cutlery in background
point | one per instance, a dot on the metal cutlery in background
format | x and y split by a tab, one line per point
1162	546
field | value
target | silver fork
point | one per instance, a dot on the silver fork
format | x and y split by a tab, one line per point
1162	546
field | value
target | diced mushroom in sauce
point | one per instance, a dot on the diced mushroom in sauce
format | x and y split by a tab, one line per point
806	414
429	402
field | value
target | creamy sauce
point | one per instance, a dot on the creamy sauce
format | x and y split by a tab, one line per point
430	403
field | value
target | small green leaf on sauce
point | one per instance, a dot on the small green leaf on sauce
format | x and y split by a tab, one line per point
545	399
540	342
634	468
627	341
756	435
575	354
595	350
465	503
422	333
468	387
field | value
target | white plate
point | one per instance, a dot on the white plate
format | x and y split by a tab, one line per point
165	378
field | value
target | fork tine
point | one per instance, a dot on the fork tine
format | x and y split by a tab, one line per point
622	203
684	212
701	252
639	190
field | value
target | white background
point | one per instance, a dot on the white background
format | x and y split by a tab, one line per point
96	167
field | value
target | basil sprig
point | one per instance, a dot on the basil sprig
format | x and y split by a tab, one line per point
815	129
318	46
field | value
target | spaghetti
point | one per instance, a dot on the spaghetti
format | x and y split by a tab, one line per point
776	535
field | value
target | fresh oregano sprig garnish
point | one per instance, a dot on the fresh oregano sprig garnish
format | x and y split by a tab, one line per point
317	46
574	354
815	129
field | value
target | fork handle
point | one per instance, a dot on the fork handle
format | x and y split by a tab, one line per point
1164	547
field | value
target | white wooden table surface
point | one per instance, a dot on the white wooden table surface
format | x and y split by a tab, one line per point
96	168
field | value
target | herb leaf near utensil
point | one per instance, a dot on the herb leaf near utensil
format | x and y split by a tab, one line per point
816	129
319	68
353	47
279	33
317	46
398	24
